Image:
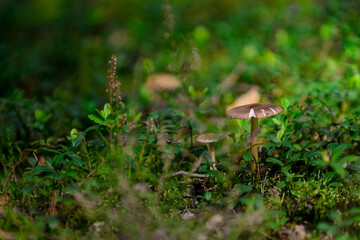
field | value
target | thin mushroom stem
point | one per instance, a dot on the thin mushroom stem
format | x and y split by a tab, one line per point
212	153
253	143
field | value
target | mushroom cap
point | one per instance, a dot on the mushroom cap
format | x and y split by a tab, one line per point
210	137
162	82
256	110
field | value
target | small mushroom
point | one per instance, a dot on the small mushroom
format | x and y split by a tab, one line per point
210	139
254	111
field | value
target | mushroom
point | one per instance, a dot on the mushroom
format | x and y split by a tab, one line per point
254	111
156	85
162	82
210	139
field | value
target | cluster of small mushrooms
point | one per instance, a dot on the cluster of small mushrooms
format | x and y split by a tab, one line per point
253	111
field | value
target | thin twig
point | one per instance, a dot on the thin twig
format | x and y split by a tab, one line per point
210	189
182	172
282	199
197	164
262	186
91	173
12	171
37	160
52	204
142	151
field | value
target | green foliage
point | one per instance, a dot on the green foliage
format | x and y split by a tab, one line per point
133	169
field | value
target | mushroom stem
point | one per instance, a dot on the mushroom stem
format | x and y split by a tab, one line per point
253	143
212	153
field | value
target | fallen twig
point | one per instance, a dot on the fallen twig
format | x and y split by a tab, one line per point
12	171
182	172
91	173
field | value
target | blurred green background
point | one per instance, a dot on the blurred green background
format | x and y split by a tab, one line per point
57	50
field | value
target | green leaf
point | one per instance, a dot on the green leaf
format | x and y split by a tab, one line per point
42	116
201	35
296	157
285	103
91	128
354	167
49	150
192	92
328	176
106	110
317	163
72	135
275	161
138	116
74	159
338	168
59	160
336	149
281	184
96	119
204	91
243	188
247	157
76	142
312	154
272	138
207	196
42	169
95	143
327	228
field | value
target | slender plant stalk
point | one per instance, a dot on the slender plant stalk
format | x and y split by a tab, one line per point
142	151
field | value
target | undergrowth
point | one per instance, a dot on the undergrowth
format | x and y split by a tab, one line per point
136	171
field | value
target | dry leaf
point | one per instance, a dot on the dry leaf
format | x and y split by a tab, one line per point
42	161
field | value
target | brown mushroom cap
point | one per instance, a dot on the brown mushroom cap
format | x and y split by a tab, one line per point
210	137
162	82
256	110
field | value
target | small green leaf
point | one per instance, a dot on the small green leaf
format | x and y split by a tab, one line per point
312	154
42	170
285	103
76	142
96	119
354	167
247	157
72	135
42	116
327	228
138	116
328	176
336	149
49	150
207	196
204	91
338	168
275	161
74	159
106	110
192	92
